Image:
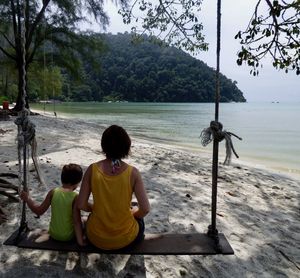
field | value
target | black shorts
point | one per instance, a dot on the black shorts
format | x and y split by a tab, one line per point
140	236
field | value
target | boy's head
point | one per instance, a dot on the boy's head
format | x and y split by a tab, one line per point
115	142
71	174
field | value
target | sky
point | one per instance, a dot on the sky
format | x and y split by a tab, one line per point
270	85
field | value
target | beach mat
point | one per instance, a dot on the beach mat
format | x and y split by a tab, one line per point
153	244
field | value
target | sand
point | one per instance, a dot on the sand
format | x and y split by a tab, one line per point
258	210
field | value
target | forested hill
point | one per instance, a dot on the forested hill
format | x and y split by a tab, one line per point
149	73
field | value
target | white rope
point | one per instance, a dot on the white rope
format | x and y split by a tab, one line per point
215	131
23	31
52	67
25	129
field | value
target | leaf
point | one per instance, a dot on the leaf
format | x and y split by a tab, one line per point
239	62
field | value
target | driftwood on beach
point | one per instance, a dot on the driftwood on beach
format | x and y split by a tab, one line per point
8	190
6	114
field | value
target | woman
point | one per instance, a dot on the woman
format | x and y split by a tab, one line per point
113	224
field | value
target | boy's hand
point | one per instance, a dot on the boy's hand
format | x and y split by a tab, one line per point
83	242
24	196
134	209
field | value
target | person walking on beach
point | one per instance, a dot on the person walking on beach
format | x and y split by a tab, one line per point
61	200
113	223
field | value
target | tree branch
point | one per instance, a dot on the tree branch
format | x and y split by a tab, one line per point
36	22
7	54
8	40
13	11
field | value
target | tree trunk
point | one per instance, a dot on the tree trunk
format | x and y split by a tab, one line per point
6	84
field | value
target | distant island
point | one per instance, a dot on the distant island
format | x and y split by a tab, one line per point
147	72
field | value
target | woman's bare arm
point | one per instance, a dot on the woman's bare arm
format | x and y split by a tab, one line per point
140	194
78	225
85	191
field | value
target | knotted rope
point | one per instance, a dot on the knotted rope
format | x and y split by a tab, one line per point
26	128
25	137
215	131
26	133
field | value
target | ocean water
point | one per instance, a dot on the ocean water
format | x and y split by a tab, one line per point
270	131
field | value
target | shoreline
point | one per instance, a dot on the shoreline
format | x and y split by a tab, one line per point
246	160
257	210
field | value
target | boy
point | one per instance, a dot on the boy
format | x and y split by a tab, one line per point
61	200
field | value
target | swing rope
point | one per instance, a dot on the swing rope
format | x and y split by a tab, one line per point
216	134
212	230
44	69
26	129
215	131
52	82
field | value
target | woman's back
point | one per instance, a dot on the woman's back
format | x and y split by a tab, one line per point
111	224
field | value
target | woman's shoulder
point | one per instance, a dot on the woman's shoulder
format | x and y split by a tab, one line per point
134	168
96	164
134	171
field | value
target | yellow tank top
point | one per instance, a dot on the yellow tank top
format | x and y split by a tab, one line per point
111	224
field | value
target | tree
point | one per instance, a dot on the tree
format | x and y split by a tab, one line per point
276	34
148	72
36	23
7	79
177	23
174	22
44	83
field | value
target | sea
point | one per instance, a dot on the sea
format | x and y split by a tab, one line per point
270	132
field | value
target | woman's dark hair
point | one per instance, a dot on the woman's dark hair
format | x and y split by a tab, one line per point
115	142
71	174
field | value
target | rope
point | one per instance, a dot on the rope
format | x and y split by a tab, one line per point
26	130
44	69
23	30
212	230
26	133
52	67
215	131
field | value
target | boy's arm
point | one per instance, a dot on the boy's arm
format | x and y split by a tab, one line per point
35	208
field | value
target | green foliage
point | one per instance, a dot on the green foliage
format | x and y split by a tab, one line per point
146	72
44	83
3	98
51	32
176	23
8	80
276	35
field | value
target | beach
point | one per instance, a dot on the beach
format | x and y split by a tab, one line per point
258	210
